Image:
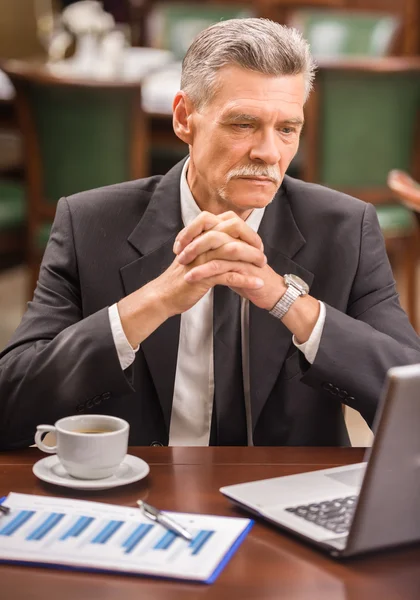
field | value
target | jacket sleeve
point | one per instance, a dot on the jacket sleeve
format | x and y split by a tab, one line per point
57	363
357	348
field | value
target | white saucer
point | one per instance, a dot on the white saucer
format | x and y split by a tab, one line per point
131	469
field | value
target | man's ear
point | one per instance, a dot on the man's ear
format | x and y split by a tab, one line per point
182	117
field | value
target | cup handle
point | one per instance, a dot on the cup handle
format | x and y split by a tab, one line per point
40	430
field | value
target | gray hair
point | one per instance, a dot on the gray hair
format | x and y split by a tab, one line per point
255	44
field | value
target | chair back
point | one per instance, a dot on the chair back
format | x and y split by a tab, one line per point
173	26
333	33
361	122
77	134
82	134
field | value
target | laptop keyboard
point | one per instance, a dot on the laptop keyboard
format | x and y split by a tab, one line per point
335	515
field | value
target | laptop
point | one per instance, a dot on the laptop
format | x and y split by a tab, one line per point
357	508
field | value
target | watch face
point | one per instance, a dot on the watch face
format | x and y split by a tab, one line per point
297	282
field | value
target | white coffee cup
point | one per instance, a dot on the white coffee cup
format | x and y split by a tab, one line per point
88	446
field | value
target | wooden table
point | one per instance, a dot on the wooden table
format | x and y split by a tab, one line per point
269	564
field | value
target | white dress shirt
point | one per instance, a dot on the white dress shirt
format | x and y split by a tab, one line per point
194	378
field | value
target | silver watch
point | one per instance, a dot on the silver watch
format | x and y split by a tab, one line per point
295	287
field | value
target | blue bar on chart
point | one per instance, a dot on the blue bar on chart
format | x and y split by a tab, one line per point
20	519
200	540
166	541
77	528
41	531
136	536
107	532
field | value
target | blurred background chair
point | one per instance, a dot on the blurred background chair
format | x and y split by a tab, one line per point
337	34
18	39
173	25
407	11
12	222
361	122
77	135
333	33
12	188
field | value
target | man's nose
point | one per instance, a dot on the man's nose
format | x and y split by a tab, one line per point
266	148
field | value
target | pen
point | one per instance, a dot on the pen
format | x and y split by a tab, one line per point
4	509
156	515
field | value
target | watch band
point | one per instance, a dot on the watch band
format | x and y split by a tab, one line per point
285	302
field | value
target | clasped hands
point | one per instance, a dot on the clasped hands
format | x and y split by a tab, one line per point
218	250
212	250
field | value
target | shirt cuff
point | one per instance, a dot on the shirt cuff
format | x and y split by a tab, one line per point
310	348
125	352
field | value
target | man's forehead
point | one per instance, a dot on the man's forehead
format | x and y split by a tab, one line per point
237	88
252	108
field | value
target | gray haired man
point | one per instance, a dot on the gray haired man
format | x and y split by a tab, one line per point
224	303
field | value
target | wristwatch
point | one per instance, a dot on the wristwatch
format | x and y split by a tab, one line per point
295	287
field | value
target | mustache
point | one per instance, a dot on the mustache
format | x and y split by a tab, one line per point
270	171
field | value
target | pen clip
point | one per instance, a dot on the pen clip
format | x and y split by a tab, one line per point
150	511
157	515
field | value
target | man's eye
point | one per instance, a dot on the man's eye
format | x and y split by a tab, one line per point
288	130
242	125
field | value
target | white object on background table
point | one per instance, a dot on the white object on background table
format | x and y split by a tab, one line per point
159	89
7	91
120	64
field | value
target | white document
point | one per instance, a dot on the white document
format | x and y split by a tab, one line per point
46	531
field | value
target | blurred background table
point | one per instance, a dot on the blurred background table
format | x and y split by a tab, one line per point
269	564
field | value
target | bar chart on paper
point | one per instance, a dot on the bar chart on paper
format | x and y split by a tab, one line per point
92	535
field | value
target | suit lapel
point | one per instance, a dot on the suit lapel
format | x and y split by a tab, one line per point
153	238
269	339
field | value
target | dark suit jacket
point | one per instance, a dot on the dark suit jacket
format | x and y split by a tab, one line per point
107	243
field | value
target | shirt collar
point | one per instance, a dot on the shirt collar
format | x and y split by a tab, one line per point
190	209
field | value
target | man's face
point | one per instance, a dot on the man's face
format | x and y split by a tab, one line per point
243	141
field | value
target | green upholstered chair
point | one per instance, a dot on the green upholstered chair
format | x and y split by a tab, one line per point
78	135
344	33
333	33
361	122
173	26
12	221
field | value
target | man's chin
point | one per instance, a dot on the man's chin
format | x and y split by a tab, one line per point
250	201
247	194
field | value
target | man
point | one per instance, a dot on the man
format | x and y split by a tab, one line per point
159	302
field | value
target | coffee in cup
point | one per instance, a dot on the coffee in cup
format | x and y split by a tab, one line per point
88	446
93	430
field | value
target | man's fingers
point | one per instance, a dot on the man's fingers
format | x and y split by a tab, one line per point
211	240
224	272
238	280
227	222
219	245
237	228
203	222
